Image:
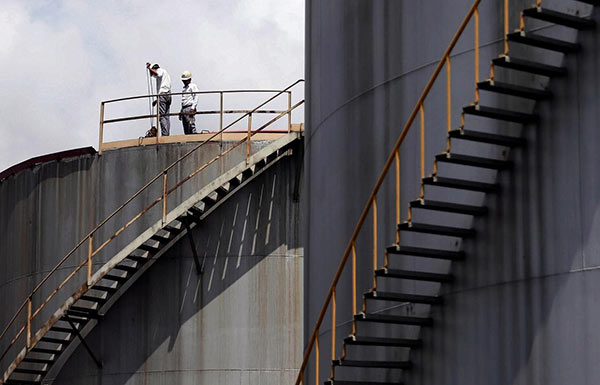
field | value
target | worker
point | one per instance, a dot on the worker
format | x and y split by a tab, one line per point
189	101
163	86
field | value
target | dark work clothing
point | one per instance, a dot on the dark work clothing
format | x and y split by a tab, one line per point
164	106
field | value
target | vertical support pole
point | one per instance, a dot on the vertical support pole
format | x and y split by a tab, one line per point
249	137
289	111
221	121
476	55
448	94
353	286
164	199
397	157
158	131
374	240
422	114
506	28
333	309
101	129
538	3
29	322
90	254
317	359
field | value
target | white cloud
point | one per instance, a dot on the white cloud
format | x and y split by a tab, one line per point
60	59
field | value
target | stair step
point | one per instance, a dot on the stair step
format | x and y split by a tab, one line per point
414	275
544	42
75	318
38	361
403	297
514	90
500	114
126	268
461	184
160	238
380	341
85	316
473	161
90	313
171	229
425	252
233	183
30	371
104	288
208	201
529	66
196	211
22	382
373	364
427	204
115	278
46	351
59	329
145	247
560	18
437	229
484	137
137	258
51	340
393	319
221	191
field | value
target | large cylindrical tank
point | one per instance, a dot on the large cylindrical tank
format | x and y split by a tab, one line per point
521	308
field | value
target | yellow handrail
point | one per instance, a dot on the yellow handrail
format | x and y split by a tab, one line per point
371	201
31	314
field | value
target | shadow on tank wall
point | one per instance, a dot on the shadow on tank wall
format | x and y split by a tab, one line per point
243	312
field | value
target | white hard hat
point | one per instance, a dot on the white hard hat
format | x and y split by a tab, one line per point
186	75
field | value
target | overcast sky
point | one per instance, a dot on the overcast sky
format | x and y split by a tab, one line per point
61	58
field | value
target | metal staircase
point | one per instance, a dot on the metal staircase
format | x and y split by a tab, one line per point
387	360
58	337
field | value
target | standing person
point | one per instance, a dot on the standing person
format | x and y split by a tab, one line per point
189	101
163	86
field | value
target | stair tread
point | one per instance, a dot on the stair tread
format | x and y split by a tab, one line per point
414	275
137	258
474	161
560	18
461	184
30	371
500	114
544	42
59	329
107	289
529	66
46	351
426	252
149	248
428	204
395	319
129	269
402	297
112	277
160	238
55	340
514	90
171	229
437	229
382	341
38	361
484	137
373	364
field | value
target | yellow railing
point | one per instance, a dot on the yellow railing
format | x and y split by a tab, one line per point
27	307
222	111
371	205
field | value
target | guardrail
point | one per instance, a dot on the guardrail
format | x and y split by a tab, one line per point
29	312
222	111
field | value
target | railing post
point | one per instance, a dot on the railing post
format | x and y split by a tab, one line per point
29	322
317	359
422	115
221	121
374	240
448	94
506	28
249	137
90	254
101	129
289	111
158	131
476	14
333	308
397	156
164	199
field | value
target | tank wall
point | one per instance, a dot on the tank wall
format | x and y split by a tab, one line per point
367	63
47	209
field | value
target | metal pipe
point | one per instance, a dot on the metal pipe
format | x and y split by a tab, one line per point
101	129
506	27
333	305
374	240
476	55
448	94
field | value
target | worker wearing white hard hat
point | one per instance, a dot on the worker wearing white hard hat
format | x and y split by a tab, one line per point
189	102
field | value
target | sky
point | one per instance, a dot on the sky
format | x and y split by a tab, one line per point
61	58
